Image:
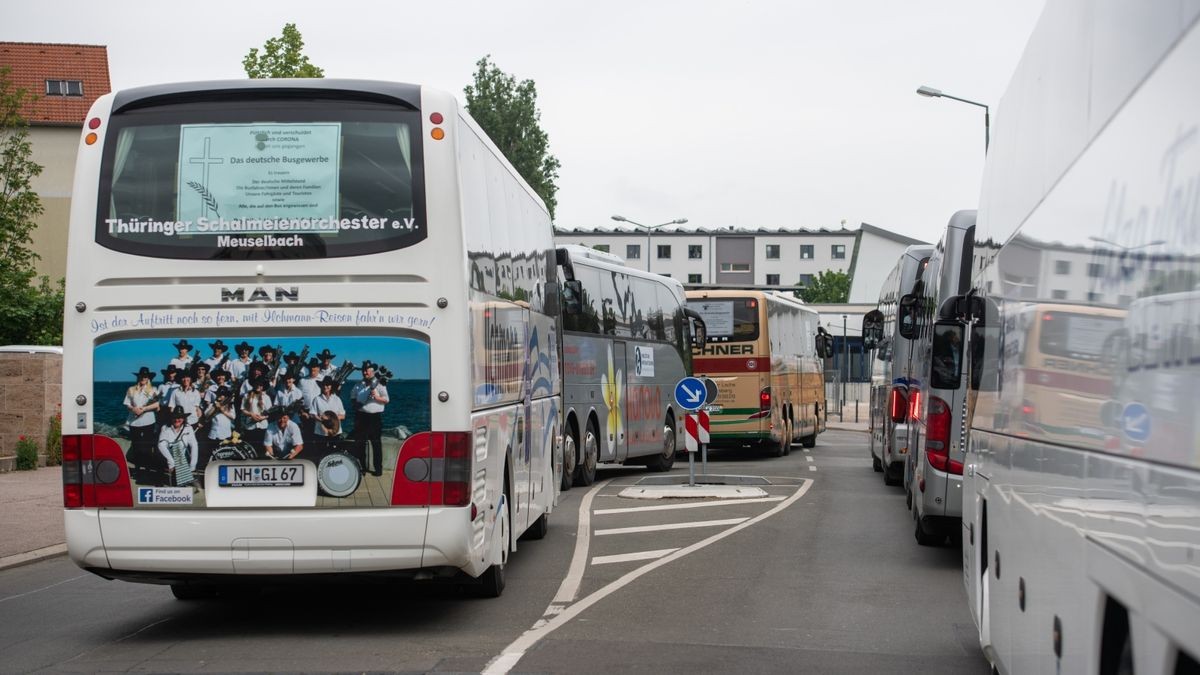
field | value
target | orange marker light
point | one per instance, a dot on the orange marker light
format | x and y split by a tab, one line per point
437	134
90	139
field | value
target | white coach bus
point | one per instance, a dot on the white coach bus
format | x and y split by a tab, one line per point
367	226
1081	485
626	343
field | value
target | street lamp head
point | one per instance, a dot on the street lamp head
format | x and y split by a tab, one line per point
620	219
929	91
678	221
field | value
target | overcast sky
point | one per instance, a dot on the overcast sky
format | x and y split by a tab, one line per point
756	114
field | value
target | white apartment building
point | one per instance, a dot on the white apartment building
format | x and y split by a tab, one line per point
725	255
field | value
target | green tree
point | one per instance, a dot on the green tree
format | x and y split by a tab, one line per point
32	312
507	110
281	57
830	286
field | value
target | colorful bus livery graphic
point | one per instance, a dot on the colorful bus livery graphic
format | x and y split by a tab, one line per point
231	394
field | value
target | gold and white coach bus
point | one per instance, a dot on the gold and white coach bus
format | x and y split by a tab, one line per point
1081	508
372	224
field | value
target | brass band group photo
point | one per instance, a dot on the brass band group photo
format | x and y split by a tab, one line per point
256	403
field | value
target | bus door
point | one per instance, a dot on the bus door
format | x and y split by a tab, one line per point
616	428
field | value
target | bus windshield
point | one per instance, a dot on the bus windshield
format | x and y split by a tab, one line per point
1075	336
248	180
728	320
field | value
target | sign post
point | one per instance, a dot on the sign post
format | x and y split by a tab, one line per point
690	393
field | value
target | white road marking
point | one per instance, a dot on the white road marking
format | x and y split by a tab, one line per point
812	467
693	505
671	526
569	587
556	616
43	588
629	557
808	458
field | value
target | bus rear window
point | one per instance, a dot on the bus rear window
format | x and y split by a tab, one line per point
252	180
728	320
1075	336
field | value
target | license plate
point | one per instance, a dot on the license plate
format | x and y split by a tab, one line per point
261	475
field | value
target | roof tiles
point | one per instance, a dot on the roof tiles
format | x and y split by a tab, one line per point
32	63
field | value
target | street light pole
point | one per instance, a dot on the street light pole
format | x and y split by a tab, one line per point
987	117
845	367
648	229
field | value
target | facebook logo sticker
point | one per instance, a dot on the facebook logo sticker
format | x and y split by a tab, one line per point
145	495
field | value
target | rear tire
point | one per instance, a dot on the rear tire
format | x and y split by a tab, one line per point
538	529
570	454
491	582
666	459
585	471
773	447
876	464
890	479
928	538
809	441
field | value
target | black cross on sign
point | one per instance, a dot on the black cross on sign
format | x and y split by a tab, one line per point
206	160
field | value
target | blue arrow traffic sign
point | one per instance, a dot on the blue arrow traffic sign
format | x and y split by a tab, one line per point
690	393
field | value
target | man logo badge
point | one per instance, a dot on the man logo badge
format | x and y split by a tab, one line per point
260	294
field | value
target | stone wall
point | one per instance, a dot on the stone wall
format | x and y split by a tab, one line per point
30	392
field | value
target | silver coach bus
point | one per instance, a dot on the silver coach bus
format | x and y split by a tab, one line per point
626	343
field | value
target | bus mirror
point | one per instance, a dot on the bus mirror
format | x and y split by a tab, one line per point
872	329
573	296
946	366
699	334
824	343
906	316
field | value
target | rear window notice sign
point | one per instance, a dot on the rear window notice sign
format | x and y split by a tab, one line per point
238	172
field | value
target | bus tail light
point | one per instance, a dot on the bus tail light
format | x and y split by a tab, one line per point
95	473
937	437
433	469
897	404
764	399
914	406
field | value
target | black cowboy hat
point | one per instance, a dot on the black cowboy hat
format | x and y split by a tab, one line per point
313	363
169	370
278	411
219	344
144	372
196	369
266	349
328	380
220	371
291	356
367	364
178	413
223	392
259	366
326	354
289	375
186	372
183	344
259	382
243	346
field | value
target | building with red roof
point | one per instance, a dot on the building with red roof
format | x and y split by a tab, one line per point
65	80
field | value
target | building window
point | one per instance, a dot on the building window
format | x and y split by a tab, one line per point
603	248
772	279
695	278
664	251
1095	270
1062	266
695	251
837	251
64	87
735	267
1058	295
806	280
633	251
772	251
806	251
1093	297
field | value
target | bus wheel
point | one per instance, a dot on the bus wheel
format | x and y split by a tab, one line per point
569	456
928	538
666	459
773	447
876	464
492	580
809	441
585	471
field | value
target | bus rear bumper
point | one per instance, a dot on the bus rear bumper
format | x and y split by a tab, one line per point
161	545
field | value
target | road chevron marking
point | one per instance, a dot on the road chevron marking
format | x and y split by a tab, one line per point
630	557
671	526
508	658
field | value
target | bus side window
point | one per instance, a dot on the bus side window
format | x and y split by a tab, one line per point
946	363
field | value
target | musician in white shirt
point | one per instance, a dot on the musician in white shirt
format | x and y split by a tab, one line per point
188	397
219	351
141	400
323	403
283	439
237	367
369	398
327	367
177	441
254	406
184	360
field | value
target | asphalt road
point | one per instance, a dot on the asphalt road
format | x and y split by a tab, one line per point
819	575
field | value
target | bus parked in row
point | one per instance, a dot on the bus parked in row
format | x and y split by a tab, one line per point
893	373
933	464
626	343
764	350
262	275
1081	485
